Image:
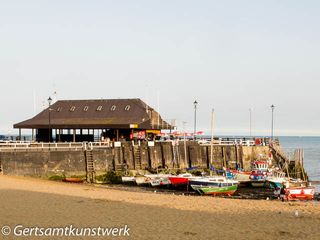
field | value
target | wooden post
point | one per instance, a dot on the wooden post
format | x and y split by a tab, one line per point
224	157
60	130
74	135
32	138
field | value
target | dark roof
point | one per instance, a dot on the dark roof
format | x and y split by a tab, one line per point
103	113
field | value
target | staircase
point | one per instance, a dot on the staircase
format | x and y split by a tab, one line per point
294	167
280	155
90	171
137	156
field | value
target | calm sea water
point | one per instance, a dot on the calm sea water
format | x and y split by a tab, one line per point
311	147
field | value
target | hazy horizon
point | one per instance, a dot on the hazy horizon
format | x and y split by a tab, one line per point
228	55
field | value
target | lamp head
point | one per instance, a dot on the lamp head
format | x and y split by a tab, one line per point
49	100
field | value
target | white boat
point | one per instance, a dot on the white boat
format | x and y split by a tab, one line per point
158	179
142	180
153	179
277	178
127	179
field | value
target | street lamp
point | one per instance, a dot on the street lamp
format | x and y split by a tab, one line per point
272	111
49	101
195	103
250	111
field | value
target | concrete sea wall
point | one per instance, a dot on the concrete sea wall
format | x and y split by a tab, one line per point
159	155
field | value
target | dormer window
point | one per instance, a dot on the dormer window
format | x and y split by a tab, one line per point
99	108
127	108
59	109
86	108
113	108
72	109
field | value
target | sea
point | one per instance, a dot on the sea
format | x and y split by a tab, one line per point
311	147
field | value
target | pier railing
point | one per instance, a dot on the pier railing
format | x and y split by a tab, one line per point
77	146
32	146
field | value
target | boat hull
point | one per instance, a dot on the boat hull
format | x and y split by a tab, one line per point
178	181
299	193
212	190
142	180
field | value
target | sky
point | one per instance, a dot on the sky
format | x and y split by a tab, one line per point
228	55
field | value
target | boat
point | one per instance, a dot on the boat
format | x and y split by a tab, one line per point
142	180
259	173
158	179
73	180
181	179
153	179
127	179
277	179
299	193
241	176
214	186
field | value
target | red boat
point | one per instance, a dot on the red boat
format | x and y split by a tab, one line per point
181	179
299	193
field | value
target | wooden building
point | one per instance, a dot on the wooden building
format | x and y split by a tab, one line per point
90	120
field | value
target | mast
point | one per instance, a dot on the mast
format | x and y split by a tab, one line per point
211	143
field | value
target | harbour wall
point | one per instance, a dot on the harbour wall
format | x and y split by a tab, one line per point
128	157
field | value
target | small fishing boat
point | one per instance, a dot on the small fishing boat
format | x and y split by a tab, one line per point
153	179
241	176
214	186
158	179
127	179
259	173
299	193
142	180
73	180
277	179
181	179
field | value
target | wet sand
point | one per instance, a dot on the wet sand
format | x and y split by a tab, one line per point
36	202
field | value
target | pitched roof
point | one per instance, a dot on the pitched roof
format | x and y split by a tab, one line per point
102	113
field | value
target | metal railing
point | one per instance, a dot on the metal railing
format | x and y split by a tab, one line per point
35	146
77	146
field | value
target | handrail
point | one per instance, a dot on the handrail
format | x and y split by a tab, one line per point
28	146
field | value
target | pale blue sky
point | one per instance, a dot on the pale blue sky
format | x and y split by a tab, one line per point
230	55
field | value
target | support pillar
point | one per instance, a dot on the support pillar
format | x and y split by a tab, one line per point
32	138
74	135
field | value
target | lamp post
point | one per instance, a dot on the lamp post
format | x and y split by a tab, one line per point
185	144
272	111
195	103
49	101
250	111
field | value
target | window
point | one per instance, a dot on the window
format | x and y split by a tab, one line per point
85	108
127	108
99	108
59	109
72	109
113	108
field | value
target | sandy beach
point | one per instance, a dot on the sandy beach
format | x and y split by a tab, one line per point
37	202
